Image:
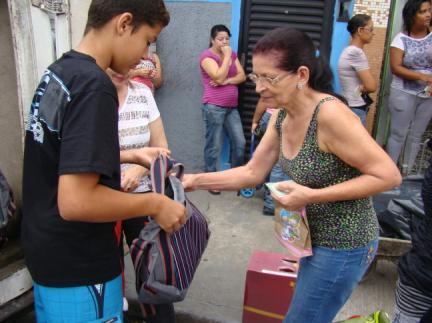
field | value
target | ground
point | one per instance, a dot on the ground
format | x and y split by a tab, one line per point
238	227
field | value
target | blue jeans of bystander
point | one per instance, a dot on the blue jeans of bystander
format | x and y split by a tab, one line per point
216	120
361	113
326	280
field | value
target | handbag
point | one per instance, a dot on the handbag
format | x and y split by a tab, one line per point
166	263
366	98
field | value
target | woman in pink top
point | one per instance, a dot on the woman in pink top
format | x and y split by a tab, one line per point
221	73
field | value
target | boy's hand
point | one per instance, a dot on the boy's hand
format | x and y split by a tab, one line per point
131	177
171	216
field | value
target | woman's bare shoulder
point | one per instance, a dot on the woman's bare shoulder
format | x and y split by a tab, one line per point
335	117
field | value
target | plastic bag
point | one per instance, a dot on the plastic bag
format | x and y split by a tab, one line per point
292	231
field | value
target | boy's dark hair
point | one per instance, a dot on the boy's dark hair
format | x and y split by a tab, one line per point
292	48
217	29
409	11
144	12
357	22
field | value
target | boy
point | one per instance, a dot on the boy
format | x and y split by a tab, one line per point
72	169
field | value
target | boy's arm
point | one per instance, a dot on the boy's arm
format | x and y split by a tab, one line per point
82	198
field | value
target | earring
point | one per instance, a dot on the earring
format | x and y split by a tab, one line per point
299	86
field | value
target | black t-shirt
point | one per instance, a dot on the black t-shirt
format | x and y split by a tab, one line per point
72	128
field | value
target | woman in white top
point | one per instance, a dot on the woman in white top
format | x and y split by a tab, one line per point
139	126
411	64
354	72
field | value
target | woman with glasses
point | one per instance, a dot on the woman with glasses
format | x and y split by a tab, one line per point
221	74
334	163
355	75
411	65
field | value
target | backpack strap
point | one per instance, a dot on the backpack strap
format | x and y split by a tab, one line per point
160	169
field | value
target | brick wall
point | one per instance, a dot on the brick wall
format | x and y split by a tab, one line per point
375	52
379	11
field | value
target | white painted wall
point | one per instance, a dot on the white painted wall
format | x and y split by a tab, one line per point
78	10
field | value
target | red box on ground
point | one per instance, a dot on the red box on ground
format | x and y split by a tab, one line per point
270	283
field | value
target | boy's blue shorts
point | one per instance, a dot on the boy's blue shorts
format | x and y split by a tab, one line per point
102	303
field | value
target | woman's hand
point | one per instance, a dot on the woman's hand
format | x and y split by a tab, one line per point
150	153
214	84
226	51
145	72
226	82
131	177
427	78
188	182
254	126
297	196
142	156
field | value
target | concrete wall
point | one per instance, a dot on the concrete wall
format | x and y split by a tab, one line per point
11	148
179	99
179	47
78	18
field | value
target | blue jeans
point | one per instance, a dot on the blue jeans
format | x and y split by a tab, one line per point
216	120
361	113
276	174
326	280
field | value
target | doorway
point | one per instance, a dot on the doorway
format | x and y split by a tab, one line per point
260	16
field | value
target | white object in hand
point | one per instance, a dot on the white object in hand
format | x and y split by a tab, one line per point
273	188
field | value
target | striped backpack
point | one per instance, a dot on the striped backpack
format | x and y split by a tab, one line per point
166	263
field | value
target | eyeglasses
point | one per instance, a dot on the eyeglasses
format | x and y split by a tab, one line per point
266	80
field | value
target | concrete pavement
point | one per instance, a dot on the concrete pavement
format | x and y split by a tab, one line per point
238	227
